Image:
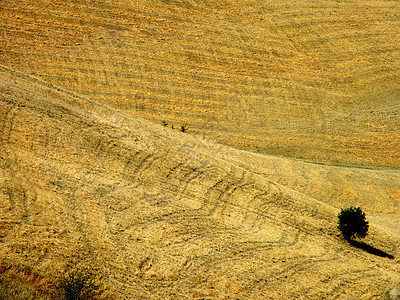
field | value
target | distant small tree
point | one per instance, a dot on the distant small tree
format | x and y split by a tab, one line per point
352	223
184	128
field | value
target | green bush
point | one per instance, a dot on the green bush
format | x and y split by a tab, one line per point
352	223
77	285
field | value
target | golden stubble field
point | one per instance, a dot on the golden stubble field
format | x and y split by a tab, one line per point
163	214
312	80
90	177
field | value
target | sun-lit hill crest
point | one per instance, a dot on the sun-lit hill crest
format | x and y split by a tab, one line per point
312	80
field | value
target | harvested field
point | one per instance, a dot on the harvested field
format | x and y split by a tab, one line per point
162	214
316	81
292	111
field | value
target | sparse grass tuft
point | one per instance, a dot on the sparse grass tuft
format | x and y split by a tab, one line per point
20	284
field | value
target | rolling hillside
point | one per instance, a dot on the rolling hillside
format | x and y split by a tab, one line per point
312	80
292	110
162	214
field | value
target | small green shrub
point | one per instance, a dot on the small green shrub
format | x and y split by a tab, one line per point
352	223
77	285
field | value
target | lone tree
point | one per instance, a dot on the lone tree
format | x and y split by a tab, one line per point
352	223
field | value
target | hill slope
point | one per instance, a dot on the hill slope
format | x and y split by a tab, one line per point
313	80
163	214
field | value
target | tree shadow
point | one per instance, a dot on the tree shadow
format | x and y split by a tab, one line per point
370	249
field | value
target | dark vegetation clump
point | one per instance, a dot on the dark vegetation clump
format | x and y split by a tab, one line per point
78	285
352	223
184	128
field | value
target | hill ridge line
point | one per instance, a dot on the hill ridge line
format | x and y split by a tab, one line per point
194	139
195	144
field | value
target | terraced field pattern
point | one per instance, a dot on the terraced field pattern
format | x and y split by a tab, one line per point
291	111
313	80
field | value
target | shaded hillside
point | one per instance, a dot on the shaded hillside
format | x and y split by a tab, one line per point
313	80
162	214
